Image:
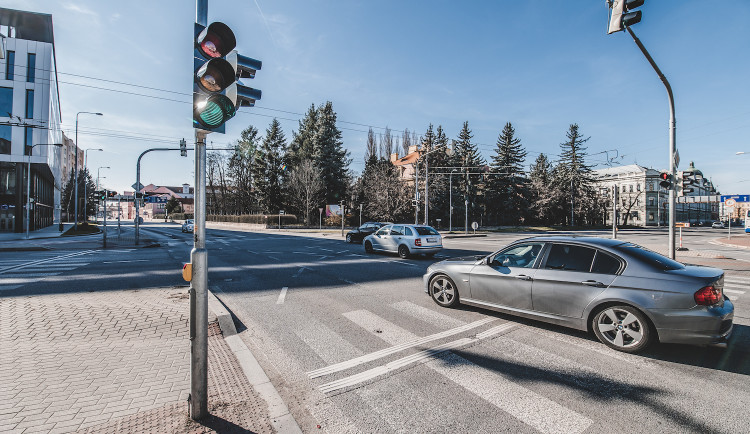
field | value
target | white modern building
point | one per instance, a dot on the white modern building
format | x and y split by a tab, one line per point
29	119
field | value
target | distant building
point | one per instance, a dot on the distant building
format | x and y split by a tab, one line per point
641	201
29	115
183	194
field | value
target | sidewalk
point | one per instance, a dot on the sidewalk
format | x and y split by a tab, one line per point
741	240
115	361
52	231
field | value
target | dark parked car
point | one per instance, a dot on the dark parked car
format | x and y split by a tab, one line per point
359	234
626	295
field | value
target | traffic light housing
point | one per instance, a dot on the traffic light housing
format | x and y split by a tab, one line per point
111	194
666	180
623	14
100	194
217	68
183	148
689	179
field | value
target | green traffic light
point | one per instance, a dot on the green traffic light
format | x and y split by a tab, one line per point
216	110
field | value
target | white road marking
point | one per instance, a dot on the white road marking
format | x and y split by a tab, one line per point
408	360
282	296
273	257
349	282
44	261
427	315
410	343
525	405
326	343
298	272
123	262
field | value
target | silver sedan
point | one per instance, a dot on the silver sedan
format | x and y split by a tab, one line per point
626	295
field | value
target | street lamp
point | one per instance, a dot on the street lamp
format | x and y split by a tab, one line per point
28	183
96	214
75	171
741	153
85	184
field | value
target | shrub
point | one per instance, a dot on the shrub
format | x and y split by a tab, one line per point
258	219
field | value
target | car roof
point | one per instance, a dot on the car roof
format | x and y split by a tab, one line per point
604	242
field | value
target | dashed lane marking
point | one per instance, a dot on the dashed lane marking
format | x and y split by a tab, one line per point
282	296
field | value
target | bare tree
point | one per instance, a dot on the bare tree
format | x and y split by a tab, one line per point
387	143
304	188
629	200
406	141
371	149
387	196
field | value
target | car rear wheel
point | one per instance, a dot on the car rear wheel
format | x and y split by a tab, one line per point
368	247
349	238
403	251
623	328
443	291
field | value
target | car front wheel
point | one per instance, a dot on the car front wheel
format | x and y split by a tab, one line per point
368	247
623	328
349	238
443	291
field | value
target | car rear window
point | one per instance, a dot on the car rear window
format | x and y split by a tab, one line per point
426	230
651	258
605	264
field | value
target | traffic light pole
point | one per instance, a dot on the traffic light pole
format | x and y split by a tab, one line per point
672	143
199	290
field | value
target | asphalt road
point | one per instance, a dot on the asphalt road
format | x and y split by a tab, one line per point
350	339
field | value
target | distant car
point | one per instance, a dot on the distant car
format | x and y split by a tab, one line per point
717	225
406	240
359	234
626	295
188	226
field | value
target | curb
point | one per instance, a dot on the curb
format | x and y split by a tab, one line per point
281	418
464	236
736	246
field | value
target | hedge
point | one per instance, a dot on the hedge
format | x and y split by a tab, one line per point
181	216
261	219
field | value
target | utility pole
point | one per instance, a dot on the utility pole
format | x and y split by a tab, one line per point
104	232
343	216
614	212
416	191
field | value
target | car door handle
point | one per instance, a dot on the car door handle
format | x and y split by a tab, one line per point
523	277
593	283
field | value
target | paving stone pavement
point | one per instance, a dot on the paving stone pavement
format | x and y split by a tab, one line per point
114	361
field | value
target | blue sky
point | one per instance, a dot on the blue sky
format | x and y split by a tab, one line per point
541	65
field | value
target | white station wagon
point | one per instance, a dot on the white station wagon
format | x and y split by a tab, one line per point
406	240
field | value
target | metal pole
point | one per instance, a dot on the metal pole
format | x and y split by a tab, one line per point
672	143
416	191
614	213
360	214
450	201
426	192
28	194
466	218
343	215
199	288
75	178
119	214
106	193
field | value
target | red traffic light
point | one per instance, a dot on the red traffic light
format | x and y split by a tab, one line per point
665	176
216	40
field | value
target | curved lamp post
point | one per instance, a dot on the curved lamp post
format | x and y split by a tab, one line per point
97	187
28	183
75	171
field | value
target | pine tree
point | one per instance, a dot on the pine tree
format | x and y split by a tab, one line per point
239	169
438	162
573	176
268	168
302	146
543	199
507	192
330	156
466	156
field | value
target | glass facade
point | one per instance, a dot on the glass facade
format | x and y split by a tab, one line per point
10	65
31	68
28	137
5	132
29	104
6	101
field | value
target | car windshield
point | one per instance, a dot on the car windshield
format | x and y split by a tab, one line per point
426	230
652	258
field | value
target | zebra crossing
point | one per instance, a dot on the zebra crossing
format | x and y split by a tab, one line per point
735	287
350	371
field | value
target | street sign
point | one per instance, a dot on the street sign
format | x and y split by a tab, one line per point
281	212
137	186
730	202
736	197
682	225
474	225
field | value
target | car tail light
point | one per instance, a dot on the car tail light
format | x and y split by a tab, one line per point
708	295
418	242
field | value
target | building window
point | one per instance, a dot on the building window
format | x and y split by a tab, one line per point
28	138
31	68
650	216
5	132
639	187
10	66
650	201
6	102
631	188
650	187
29	104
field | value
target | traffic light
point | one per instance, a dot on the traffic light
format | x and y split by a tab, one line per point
217	92
666	180
111	194
688	179
623	14
183	148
